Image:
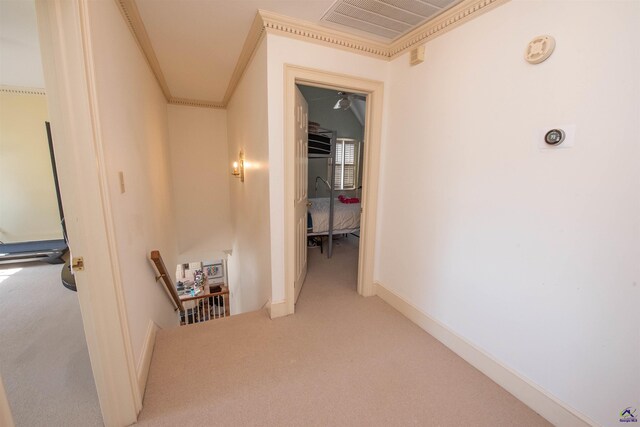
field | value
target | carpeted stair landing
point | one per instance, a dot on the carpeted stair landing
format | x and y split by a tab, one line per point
341	360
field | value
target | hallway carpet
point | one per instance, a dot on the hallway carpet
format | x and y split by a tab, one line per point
341	360
44	361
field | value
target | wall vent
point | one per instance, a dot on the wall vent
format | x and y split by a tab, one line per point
417	55
385	19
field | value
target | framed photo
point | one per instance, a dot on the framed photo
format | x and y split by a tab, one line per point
215	270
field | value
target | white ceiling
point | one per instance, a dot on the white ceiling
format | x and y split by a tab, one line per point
198	42
20	63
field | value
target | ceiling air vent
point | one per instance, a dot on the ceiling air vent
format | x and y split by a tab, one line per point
385	19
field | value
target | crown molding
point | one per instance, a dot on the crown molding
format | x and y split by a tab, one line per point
272	23
449	19
196	103
251	43
18	90
307	31
133	19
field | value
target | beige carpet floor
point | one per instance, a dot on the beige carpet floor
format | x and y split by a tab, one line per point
44	361
341	360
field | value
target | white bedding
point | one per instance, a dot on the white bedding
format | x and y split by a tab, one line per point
345	216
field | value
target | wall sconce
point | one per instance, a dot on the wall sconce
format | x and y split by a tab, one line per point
238	167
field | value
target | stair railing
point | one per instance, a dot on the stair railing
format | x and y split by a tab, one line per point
206	306
164	276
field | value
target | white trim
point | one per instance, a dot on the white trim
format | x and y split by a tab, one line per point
196	103
310	32
249	49
277	309
106	203
63	29
532	395
132	17
6	419
371	160
19	90
448	20
144	362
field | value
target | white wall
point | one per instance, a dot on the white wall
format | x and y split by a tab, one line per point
133	120
28	202
250	263
200	172
283	50
530	255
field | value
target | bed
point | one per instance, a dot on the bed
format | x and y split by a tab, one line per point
346	217
328	216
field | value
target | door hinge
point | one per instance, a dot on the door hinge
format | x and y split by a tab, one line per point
77	263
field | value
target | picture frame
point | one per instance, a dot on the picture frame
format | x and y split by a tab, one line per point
214	270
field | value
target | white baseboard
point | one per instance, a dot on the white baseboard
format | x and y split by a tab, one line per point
552	409
144	362
278	309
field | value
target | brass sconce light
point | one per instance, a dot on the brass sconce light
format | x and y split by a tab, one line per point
238	167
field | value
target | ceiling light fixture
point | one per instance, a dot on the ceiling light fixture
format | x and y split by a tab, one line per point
344	102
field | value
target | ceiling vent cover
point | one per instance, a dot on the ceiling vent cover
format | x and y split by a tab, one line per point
385	19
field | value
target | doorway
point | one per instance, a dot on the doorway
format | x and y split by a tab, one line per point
44	359
333	183
63	32
372	92
44	356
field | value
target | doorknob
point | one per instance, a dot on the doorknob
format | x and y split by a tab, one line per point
309	204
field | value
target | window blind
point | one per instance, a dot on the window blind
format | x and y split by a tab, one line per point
346	165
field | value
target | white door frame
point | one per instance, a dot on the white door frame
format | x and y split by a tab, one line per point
64	29
6	419
372	141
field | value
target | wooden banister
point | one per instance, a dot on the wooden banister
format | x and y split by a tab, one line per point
164	275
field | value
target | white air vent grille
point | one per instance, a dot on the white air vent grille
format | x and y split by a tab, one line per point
374	18
423	9
362	25
417	55
383	9
387	19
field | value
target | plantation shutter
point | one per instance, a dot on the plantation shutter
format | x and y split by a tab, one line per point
346	165
337	179
349	170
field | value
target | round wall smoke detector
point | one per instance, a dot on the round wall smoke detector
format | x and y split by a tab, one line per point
539	49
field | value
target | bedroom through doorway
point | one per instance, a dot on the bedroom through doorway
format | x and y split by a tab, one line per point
296	185
335	163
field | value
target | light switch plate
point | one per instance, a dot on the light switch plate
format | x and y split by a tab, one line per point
121	178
